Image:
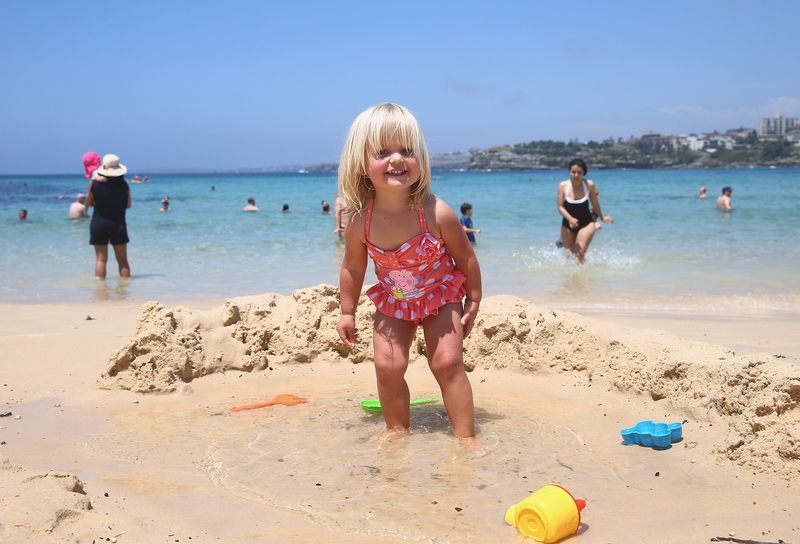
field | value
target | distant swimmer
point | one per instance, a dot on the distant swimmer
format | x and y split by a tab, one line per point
23	215
285	208
703	192
78	209
577	225
251	205
165	205
326	208
724	202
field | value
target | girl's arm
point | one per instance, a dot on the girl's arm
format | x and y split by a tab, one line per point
562	190
129	197
596	204
461	250
351	279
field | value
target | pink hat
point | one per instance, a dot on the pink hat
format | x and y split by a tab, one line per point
91	162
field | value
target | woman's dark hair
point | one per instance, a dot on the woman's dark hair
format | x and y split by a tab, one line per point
580	163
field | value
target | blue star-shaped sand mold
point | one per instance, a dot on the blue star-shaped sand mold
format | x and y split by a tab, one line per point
650	434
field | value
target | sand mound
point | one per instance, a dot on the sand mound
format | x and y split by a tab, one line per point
757	395
38	501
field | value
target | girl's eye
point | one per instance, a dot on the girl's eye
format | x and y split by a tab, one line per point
406	151
382	153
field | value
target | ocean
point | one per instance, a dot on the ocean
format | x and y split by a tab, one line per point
666	249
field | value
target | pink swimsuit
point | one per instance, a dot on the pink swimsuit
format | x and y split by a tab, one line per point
416	279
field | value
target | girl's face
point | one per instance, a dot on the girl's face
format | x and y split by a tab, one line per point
394	167
576	173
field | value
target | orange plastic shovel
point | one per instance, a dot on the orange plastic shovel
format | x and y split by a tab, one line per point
280	399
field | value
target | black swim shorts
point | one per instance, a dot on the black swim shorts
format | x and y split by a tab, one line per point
102	233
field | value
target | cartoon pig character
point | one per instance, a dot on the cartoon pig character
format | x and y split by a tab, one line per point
403	284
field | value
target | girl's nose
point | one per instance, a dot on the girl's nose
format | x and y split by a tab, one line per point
396	157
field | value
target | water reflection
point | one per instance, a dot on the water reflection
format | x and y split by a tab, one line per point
113	289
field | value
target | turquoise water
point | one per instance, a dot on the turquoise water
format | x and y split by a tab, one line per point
666	247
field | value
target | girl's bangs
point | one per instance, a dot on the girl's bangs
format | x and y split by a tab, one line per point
399	131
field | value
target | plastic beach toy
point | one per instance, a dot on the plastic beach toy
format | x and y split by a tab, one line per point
548	515
375	405
280	399
650	434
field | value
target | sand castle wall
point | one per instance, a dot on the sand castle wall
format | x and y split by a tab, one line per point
756	395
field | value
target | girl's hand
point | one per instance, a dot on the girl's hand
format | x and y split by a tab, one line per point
347	330
468	318
608	219
573	223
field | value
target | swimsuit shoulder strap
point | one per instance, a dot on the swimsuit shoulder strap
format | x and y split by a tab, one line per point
422	223
368	219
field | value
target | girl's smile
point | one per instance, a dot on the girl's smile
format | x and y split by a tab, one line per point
393	166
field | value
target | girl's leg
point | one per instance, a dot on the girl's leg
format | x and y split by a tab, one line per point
392	340
584	238
101	253
121	253
443	338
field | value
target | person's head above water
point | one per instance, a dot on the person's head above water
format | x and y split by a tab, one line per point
727	190
374	130
578	162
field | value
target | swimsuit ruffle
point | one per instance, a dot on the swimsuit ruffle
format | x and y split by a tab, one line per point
449	290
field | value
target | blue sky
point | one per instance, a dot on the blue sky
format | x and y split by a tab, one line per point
241	84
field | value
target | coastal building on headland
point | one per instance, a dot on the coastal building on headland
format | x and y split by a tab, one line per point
775	127
793	135
658	142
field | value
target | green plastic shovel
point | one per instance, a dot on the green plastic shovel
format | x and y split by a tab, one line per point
375	405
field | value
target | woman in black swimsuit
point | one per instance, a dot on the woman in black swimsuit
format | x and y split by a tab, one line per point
574	195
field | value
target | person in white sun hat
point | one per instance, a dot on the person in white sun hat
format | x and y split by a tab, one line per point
110	195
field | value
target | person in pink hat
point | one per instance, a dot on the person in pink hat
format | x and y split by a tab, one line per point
91	162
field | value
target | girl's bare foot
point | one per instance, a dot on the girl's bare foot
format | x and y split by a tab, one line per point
474	446
385	435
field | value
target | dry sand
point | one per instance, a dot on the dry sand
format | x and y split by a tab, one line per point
125	426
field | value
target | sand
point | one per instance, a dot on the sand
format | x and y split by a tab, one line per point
125	425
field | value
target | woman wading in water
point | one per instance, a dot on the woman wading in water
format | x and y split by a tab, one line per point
574	195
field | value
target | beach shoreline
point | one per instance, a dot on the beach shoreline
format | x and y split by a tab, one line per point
149	448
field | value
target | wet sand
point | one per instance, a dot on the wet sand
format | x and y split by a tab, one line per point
178	463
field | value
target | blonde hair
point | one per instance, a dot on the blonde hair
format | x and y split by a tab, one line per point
372	131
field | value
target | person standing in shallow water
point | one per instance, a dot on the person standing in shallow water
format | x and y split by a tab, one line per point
724	202
110	195
77	210
424	263
574	195
251	205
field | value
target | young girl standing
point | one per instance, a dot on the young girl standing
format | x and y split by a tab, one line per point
424	263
